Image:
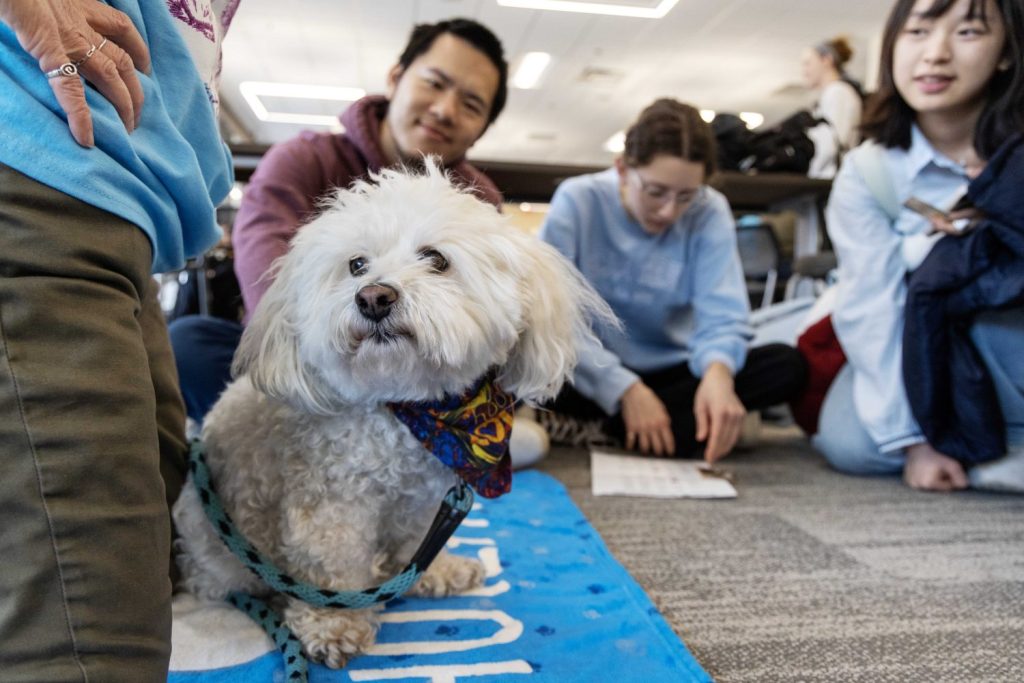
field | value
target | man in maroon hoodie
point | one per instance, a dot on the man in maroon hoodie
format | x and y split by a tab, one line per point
449	85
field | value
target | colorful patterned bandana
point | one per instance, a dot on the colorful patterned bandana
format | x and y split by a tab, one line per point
469	433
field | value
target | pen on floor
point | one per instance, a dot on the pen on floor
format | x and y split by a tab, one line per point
717	473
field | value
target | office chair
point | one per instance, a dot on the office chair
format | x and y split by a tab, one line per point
761	257
811	275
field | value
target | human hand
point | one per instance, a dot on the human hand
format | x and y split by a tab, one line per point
928	470
718	411
64	32
955	222
648	425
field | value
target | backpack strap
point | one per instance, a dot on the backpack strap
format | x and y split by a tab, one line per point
855	84
870	163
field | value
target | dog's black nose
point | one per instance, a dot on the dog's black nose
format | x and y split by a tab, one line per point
375	301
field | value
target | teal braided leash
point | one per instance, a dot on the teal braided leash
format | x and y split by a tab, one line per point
454	508
296	668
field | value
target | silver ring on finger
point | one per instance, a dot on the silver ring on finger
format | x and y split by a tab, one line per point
93	49
65	70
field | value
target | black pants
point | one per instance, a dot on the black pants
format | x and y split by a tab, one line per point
773	374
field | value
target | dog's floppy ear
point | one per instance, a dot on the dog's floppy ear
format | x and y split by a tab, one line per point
559	306
269	352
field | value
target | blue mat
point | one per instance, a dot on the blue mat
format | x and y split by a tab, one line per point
556	607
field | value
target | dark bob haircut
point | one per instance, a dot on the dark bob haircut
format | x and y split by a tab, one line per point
477	35
889	118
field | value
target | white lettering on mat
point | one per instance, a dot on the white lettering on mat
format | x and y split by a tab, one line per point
443	674
510	629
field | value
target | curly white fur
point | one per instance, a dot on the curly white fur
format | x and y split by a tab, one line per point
308	459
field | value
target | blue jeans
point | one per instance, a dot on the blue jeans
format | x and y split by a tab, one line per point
203	349
842	439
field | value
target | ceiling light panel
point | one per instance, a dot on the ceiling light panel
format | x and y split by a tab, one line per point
645	9
531	67
254	93
616	143
753	119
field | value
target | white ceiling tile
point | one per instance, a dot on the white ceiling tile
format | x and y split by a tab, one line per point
728	55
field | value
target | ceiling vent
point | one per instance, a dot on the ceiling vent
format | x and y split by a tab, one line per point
601	76
790	90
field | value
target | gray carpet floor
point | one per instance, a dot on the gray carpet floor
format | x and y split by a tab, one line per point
813	576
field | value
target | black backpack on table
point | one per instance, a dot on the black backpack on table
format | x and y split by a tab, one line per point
732	138
783	148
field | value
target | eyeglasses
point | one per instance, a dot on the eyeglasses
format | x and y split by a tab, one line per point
658	194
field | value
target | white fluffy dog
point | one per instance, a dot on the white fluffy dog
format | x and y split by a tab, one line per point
402	290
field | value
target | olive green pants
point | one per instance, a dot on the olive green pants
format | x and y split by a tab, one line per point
92	444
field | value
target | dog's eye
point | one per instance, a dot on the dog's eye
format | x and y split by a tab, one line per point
357	266
437	260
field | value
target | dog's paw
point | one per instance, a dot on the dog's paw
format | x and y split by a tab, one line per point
332	636
449	575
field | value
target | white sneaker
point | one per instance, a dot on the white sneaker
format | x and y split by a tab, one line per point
566	430
1005	474
529	442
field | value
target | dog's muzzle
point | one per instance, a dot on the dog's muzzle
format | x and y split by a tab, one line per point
375	301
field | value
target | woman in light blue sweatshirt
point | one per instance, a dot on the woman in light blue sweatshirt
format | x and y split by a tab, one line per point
660	246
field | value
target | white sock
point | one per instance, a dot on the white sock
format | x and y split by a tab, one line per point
529	442
1005	474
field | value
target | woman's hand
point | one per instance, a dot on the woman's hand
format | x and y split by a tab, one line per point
718	411
956	222
62	32
648	425
928	470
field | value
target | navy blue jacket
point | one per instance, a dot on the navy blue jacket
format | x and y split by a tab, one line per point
950	391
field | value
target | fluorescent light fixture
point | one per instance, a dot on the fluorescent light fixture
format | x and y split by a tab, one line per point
708	115
658	12
616	143
531	67
252	91
752	119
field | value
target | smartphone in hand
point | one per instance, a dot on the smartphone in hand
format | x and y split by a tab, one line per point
934	214
925	209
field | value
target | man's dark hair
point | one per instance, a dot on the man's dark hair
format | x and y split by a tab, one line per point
889	118
477	35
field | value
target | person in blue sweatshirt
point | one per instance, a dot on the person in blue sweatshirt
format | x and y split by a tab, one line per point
660	246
